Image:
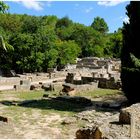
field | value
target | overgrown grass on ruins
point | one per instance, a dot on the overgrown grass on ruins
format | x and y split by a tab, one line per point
48	105
99	93
44	111
30	95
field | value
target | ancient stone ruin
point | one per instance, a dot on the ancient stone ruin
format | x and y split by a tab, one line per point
125	124
104	72
93	71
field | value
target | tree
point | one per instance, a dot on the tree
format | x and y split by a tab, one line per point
64	28
114	44
11	23
130	57
89	40
42	42
30	24
23	45
63	22
100	25
5	48
3	7
68	51
2	43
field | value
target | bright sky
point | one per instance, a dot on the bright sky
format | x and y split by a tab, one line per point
83	12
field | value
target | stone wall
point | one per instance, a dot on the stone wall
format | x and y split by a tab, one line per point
92	69
103	80
109	83
9	81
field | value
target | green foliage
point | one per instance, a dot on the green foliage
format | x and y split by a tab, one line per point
135	61
97	51
30	24
3	7
68	51
51	57
63	23
100	25
2	43
88	38
130	57
10	23
114	44
45	42
64	28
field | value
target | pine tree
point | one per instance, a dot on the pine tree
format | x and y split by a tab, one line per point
130	56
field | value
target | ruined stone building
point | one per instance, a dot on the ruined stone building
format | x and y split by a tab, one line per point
105	72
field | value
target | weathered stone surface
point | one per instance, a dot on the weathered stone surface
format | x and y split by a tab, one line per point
68	89
48	87
68	121
109	83
108	124
25	82
70	77
22	87
4	119
106	71
45	95
87	133
36	87
125	117
126	114
83	134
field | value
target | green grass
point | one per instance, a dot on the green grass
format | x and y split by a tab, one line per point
30	95
53	106
99	93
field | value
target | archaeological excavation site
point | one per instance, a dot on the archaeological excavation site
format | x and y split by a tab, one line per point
69	69
82	101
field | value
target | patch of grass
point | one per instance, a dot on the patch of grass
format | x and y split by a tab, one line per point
30	95
48	106
99	93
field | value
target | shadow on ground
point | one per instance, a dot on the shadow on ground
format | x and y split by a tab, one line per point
64	104
48	103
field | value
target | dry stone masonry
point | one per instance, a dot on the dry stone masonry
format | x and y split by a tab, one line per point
125	124
88	73
105	72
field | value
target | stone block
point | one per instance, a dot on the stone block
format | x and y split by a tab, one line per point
126	114
22	87
25	82
87	133
4	119
36	87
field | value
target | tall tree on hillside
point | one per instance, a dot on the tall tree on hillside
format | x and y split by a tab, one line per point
130	58
100	25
